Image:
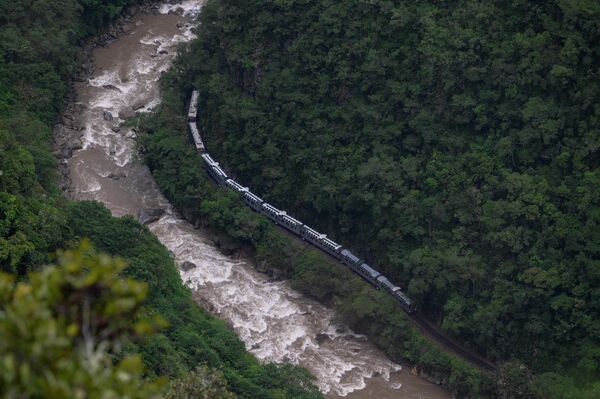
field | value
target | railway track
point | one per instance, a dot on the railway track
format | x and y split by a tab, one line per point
443	339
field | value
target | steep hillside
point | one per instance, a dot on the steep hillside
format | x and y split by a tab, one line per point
454	145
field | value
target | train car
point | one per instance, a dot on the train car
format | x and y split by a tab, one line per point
252	201
321	241
405	302
349	258
208	161
271	212
331	247
193	110
214	170
235	186
193	128
310	234
219	175
290	223
368	273
386	284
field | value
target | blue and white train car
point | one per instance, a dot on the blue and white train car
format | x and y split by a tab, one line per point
214	170
235	186
350	259
198	143
293	225
405	302
193	109
368	273
321	241
271	212
253	201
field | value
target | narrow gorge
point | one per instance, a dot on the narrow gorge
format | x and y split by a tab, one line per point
275	322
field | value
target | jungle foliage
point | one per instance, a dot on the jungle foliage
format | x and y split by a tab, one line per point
59	329
454	145
41	307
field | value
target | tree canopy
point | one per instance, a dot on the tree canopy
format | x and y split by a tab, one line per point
61	326
454	145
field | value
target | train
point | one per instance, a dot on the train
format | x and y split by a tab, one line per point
293	225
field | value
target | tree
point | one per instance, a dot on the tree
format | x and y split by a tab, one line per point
59	330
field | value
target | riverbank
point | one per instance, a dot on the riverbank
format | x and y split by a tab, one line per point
68	132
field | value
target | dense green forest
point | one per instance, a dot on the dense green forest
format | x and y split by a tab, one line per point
454	145
40	328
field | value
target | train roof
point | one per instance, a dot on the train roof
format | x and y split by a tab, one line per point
208	158
219	170
253	196
350	255
370	270
331	242
236	185
384	281
288	217
196	135
271	208
313	231
194	101
401	295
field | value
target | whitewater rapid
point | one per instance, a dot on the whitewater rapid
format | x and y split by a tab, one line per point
275	322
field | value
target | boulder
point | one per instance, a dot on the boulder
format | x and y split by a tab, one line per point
111	87
163	52
79	107
126	113
76	144
322	337
126	28
149	215
137	105
115	129
185	266
132	10
117	175
107	116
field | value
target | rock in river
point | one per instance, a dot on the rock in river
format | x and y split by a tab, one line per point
185	266
112	87
149	215
107	116
126	113
138	105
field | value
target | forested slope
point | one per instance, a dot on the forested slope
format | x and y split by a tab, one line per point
455	145
40	43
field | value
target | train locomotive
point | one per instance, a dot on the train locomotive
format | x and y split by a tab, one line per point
291	224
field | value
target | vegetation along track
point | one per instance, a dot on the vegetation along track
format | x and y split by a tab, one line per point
447	342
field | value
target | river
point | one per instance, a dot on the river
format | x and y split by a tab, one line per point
275	322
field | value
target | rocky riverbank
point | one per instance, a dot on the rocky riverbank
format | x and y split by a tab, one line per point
68	132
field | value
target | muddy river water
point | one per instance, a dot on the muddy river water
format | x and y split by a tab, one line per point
275	322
